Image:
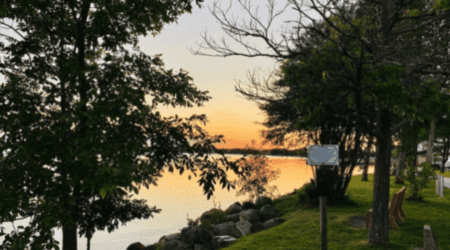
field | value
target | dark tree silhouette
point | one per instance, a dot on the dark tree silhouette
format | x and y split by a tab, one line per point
109	119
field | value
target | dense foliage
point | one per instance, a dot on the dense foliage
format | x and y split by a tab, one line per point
102	113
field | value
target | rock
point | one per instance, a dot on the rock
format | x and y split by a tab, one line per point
206	215
250	215
240	223
234	208
267	212
152	247
136	246
233	217
257	227
170	237
263	200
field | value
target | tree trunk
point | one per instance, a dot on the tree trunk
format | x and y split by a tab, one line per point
379	225
436	78
401	164
414	149
367	160
445	154
430	142
403	135
69	238
70	233
366	167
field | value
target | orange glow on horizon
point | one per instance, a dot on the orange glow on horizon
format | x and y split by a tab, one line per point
233	143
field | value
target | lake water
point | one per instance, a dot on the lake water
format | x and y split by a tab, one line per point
178	196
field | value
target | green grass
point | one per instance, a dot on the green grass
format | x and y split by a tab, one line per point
446	174
301	230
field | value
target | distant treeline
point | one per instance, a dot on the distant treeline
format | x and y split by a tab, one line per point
274	152
271	152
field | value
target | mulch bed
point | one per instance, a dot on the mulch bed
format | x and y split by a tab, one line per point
360	222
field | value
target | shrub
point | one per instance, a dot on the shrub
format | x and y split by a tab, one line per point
217	217
308	194
418	183
192	223
255	182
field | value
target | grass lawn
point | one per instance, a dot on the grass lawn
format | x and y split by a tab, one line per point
301	230
446	174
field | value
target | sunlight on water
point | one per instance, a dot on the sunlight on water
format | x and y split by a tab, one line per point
180	198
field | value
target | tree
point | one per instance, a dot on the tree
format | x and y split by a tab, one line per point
39	199
38	135
418	40
433	124
255	185
281	110
444	148
435	41
376	72
441	140
354	13
378	232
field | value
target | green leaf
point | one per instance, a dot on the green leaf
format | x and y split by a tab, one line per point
103	192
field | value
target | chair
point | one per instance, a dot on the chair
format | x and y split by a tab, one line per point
395	209
400	211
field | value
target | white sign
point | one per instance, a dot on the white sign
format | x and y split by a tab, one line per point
323	155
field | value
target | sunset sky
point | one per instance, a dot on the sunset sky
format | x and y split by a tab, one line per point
229	113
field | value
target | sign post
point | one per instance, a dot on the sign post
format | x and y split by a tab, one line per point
326	156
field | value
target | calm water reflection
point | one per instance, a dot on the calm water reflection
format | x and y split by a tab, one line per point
177	196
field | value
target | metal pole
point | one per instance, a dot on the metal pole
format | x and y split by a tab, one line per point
323	221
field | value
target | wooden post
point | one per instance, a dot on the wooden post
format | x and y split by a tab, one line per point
323	221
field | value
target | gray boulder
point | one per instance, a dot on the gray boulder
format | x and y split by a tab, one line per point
240	223
263	200
136	246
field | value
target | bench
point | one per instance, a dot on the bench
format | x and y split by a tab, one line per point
400	211
395	209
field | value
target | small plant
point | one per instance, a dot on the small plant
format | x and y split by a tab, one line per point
217	216
215	203
192	223
159	246
418	183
